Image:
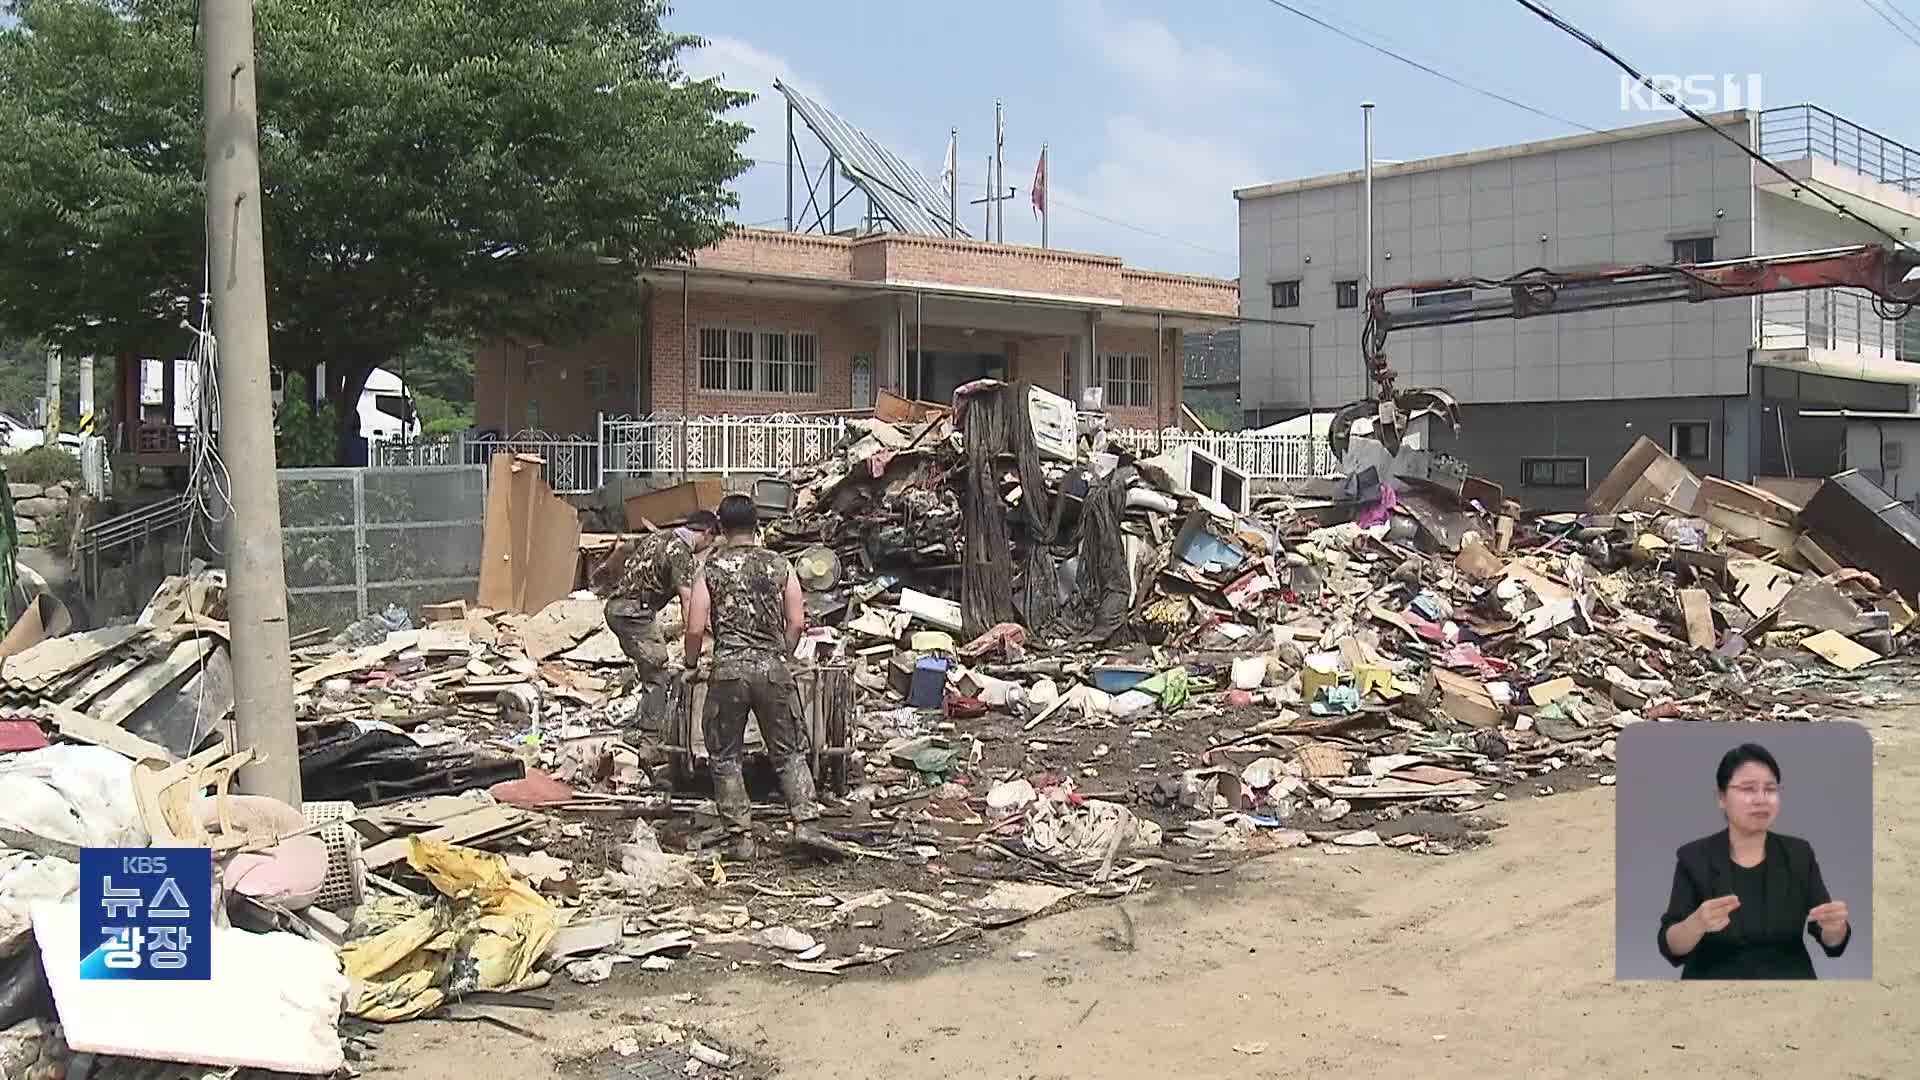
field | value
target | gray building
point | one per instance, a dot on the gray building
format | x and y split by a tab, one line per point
1549	403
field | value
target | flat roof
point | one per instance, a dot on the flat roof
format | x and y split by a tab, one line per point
1498	153
1852	414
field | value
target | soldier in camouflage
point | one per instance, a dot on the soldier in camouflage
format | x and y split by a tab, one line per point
750	598
659	568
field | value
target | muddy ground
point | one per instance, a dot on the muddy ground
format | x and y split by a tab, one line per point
1492	963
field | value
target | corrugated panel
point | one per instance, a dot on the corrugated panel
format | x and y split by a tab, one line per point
911	202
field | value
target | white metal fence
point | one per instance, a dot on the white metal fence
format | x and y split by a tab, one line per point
631	446
660	445
1841	320
1260	457
572	462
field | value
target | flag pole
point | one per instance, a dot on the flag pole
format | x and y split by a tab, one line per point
1046	197
953	182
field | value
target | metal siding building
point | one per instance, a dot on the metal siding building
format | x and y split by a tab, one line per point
1580	387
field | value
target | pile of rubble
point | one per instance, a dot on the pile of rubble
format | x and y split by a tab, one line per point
1040	669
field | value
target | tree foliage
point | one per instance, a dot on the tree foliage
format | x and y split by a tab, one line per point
430	169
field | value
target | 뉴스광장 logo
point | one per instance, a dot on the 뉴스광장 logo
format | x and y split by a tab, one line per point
146	913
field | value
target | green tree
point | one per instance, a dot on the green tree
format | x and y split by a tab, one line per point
431	169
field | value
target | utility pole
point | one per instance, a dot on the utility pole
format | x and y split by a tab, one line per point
953	182
256	571
999	172
1366	209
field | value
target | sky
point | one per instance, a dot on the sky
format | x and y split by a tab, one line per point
1154	112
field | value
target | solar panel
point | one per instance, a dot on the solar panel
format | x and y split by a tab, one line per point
908	200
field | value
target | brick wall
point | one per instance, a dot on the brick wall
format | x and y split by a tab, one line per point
780	253
991	266
1179	292
898	257
676	365
1166	390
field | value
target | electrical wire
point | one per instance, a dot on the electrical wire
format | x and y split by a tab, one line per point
1890	21
1435	72
1904	17
1591	42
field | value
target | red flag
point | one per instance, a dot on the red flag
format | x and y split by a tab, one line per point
1040	184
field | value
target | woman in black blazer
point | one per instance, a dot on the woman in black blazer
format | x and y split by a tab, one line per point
1741	896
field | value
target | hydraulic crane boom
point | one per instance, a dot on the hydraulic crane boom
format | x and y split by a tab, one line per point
1888	274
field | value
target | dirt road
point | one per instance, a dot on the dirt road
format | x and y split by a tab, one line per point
1496	963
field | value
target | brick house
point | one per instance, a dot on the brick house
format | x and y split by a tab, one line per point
779	322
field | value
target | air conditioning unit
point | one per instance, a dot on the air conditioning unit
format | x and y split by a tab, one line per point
1056	430
1892	454
1210	478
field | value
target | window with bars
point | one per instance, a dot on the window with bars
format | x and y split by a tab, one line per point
1128	379
726	359
602	382
759	361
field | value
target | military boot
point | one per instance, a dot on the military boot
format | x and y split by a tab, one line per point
730	798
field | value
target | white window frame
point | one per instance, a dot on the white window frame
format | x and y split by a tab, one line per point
1127	390
759	360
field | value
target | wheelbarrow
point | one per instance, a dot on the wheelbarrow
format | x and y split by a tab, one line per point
823	699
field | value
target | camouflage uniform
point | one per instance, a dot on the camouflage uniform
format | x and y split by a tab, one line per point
660	566
747	586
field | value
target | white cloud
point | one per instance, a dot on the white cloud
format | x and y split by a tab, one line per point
1147	50
1169	156
1176	184
742	66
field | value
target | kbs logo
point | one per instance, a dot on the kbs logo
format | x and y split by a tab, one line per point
1702	93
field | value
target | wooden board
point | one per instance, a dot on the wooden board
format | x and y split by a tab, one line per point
530	541
120	702
1645	473
1841	652
34	668
1816	556
1546	693
1476	561
86	729
1697	607
1466	700
479	822
1759	586
560	626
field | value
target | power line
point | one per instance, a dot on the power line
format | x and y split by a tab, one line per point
1083	211
1904	17
1591	42
1435	72
1889	20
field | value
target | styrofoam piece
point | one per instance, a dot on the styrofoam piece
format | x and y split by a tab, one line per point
273	1002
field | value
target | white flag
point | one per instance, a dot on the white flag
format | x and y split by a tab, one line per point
947	171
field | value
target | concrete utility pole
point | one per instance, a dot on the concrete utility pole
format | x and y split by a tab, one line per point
999	173
256	572
1366	198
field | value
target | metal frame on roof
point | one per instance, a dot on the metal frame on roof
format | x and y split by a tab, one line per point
899	198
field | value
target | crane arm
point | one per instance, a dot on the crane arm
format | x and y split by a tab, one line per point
1882	272
1891	276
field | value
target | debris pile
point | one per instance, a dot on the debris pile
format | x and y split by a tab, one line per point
1040	668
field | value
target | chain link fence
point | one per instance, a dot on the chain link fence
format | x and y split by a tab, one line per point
358	540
